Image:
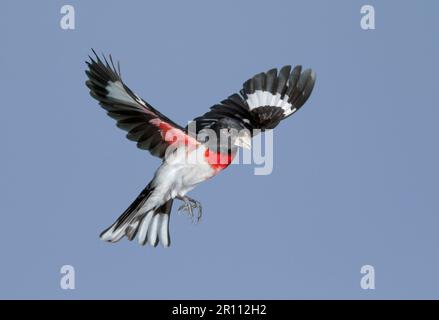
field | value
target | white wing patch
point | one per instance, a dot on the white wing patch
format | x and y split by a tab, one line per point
117	92
265	98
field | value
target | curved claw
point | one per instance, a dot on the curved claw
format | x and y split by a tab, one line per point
189	206
186	207
200	211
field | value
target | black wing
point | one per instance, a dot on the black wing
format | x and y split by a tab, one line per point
145	125
265	99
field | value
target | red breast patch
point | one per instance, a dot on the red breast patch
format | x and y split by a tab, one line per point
218	161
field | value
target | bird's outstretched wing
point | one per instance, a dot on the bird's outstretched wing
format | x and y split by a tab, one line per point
265	99
148	127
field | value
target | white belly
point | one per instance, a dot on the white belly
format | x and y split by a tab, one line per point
181	172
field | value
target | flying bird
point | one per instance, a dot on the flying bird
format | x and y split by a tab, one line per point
189	158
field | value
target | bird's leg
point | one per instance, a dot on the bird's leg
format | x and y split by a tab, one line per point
189	206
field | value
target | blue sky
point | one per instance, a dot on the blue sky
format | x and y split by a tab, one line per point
354	178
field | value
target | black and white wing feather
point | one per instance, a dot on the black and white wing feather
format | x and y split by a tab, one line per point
145	125
265	99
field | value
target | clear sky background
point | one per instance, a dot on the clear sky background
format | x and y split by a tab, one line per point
355	177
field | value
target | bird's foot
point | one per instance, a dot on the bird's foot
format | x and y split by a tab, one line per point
189	206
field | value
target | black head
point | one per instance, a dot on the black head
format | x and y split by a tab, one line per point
226	135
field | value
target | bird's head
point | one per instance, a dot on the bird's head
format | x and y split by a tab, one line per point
229	134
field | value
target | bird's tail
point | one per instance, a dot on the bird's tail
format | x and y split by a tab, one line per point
150	227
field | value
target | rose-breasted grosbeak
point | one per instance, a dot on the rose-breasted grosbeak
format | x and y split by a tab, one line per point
189	158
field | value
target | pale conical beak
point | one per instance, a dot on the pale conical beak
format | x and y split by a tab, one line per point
244	140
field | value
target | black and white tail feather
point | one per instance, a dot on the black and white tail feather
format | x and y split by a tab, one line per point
150	227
